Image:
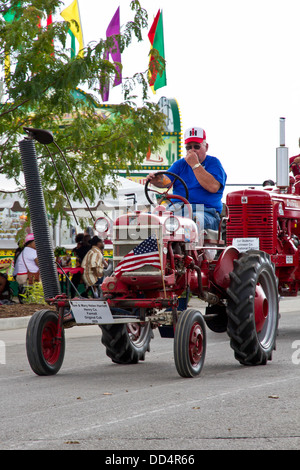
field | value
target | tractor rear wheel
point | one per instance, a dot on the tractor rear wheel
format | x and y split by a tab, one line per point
253	308
45	352
127	343
190	343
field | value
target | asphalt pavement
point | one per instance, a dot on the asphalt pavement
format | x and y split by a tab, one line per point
94	404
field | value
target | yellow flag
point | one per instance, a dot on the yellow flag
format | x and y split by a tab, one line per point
72	13
7	66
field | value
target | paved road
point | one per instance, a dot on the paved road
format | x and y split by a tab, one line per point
95	404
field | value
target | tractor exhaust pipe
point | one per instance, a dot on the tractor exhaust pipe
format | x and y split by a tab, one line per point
282	159
39	220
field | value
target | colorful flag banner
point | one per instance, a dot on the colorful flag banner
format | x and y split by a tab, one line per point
73	44
156	38
112	30
49	21
143	254
72	13
9	17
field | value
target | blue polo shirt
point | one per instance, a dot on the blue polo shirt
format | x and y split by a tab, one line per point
197	194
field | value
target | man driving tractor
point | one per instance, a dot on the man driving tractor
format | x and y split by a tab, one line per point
203	175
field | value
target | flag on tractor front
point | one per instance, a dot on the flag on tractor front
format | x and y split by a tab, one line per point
143	254
156	38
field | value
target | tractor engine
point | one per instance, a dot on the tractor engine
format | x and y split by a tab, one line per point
168	274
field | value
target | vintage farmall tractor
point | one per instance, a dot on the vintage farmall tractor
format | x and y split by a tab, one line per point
161	260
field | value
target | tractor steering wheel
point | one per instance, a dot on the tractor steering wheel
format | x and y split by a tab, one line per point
165	194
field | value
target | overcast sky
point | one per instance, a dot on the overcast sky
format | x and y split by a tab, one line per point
233	67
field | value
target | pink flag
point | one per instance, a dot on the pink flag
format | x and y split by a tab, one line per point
112	30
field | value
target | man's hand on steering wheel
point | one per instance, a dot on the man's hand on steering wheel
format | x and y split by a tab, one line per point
160	179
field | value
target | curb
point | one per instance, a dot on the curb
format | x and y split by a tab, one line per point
14	323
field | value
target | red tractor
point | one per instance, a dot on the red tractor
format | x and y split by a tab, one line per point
160	261
239	288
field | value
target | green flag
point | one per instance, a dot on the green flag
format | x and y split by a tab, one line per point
156	37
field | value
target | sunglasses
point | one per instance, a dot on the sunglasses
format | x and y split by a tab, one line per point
196	147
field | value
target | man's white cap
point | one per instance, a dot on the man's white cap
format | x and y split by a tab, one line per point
194	134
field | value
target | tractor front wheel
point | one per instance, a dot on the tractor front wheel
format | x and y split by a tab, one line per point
253	308
190	343
45	348
127	343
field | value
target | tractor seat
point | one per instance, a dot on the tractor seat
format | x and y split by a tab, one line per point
210	236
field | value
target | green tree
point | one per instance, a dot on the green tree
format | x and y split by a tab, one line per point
39	92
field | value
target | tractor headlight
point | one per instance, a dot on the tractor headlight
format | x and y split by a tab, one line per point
172	224
102	225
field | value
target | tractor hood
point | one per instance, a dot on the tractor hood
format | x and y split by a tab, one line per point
160	221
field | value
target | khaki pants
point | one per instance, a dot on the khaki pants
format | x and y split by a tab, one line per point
22	279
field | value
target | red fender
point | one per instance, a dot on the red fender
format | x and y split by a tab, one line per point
224	266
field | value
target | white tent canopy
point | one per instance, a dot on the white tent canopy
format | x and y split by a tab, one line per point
11	200
15	200
125	187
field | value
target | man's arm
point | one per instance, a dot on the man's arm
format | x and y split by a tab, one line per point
204	178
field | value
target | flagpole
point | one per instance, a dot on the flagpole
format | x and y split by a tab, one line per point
161	267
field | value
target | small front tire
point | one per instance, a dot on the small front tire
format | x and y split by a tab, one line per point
45	351
190	343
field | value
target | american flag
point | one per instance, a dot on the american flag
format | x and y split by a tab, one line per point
145	253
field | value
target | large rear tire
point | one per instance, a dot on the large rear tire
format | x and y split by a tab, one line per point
45	352
127	343
253	308
190	343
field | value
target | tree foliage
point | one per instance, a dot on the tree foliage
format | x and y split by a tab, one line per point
39	92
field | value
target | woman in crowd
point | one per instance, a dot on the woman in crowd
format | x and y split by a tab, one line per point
27	262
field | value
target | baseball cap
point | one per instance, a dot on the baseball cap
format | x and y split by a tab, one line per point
29	238
194	134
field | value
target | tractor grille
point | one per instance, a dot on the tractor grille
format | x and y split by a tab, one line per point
127	237
251	221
